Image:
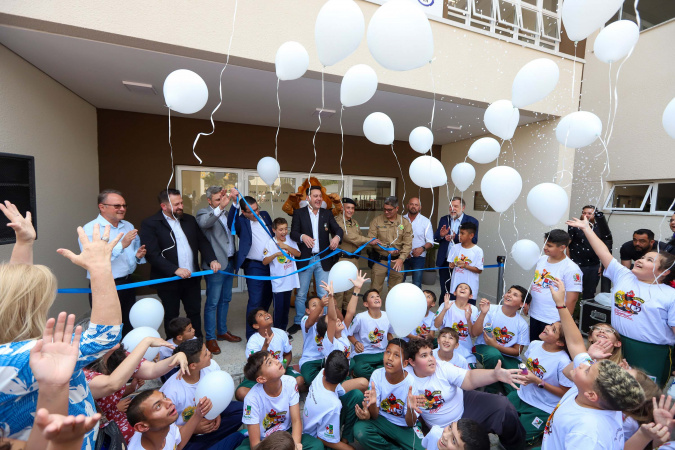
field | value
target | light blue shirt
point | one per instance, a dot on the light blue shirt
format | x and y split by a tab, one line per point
123	260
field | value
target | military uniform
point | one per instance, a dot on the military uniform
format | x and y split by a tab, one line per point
351	240
397	234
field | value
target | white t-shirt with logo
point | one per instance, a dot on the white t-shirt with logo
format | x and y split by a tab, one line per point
542	306
455	318
507	331
426	325
392	399
444	396
547	366
271	413
322	411
182	393
171	440
312	345
342	343
641	311
457	360
281	266
430	441
278	346
472	256
372	333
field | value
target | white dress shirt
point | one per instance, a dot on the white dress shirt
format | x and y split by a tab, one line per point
218	212
123	260
185	255
315	229
259	238
422	232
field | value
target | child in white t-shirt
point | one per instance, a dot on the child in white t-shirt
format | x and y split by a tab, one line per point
459	315
311	360
426	329
448	342
466	260
179	330
280	265
465	433
369	333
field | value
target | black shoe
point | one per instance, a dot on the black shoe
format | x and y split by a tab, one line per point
290	337
294	328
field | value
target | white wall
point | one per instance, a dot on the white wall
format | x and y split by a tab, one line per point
39	117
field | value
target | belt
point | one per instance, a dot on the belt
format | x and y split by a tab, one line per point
379	257
348	256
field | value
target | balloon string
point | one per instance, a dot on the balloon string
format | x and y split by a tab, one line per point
401	171
276	138
574	68
342	175
318	128
541	253
433	89
498	154
499	232
167	187
220	88
609	110
606	168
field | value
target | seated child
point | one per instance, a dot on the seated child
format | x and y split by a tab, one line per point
311	359
426	329
386	420
281	440
459	315
369	333
448	341
465	260
179	330
282	288
465	433
182	391
273	403
501	333
330	411
545	382
267	339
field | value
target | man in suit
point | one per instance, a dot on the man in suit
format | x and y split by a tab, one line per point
252	240
311	229
447	235
213	222
172	240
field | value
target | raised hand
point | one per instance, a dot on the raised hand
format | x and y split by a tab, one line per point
268	340
95	253
328	288
509	376
203	407
22	226
65	429
129	238
575	222
484	305
123	404
370	396
179	359
601	349
559	294
414	401
362	412
53	357
467	312
655	432
360	279
447	302
664	411
140	253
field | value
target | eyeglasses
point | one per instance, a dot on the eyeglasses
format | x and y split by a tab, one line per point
116	206
389	209
603	329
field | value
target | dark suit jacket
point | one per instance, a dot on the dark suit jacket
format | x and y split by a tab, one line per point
157	235
242	227
443	249
302	224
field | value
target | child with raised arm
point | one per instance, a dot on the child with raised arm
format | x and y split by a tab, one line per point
466	260
369	333
311	360
448	342
460	315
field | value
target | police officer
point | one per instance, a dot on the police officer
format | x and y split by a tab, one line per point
392	231
351	240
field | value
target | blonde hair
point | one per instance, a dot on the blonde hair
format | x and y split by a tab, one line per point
617	389
617	354
644	413
26	293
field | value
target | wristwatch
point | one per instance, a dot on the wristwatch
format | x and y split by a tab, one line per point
541	386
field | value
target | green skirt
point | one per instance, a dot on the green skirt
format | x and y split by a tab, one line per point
655	359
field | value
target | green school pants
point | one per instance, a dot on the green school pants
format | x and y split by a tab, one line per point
488	356
655	359
533	419
379	434
310	369
348	413
365	365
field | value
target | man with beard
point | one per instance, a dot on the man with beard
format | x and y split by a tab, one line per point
643	242
670	245
172	240
423	240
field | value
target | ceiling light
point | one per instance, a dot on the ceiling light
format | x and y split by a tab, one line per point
449	127
140	88
325	113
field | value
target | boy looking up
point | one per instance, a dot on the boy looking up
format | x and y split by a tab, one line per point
554	264
369	333
459	315
448	342
465	260
312	345
179	330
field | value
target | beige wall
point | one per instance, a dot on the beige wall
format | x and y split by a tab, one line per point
639	149
40	117
468	66
539	159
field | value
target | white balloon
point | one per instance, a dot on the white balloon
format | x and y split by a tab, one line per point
218	387
484	150
399	36
578	129
427	172
525	253
338	30
616	40
501	187
421	139
406	307
547	202
501	119
292	61
534	81
669	119
379	129
135	336
582	17
185	91
268	169
340	274
462	175
358	85
147	312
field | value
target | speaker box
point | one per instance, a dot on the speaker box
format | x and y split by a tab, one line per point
593	313
17	184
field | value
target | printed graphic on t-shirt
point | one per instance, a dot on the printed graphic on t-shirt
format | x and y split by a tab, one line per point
272	420
393	406
461	329
502	335
627	304
534	367
247	412
548	429
434	400
277	354
376	336
422	329
577	278
348	352
542	280
319	342
187	413
329	431
462	258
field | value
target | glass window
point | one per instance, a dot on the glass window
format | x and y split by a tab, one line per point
551	5
369	196
550	27
459	6
193	185
529	20
630	197
271	198
665	195
506	12
483	9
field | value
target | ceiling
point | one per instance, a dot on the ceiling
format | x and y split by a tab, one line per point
95	70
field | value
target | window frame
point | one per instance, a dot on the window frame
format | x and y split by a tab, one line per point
651	194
